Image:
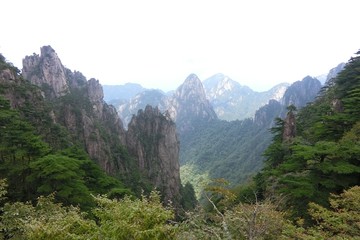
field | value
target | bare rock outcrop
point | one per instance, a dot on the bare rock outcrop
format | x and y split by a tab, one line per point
189	105
79	107
289	132
152	138
46	69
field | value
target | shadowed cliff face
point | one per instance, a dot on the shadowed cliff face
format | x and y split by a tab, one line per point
78	105
289	127
152	138
301	92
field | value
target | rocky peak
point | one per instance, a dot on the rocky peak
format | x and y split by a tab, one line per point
46	69
189	105
289	132
301	92
151	97
265	114
334	72
95	90
277	92
96	96
152	138
192	88
220	85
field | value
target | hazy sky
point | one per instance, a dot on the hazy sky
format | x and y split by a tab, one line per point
157	43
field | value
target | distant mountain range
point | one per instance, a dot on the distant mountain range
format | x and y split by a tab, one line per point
223	126
122	92
230	100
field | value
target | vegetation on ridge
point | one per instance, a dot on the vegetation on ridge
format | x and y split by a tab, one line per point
308	188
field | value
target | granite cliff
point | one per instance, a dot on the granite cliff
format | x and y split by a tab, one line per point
189	106
152	138
148	153
79	107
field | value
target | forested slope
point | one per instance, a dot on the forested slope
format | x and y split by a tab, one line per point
323	156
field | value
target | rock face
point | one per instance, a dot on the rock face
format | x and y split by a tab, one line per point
79	106
334	72
46	69
232	101
265	115
301	92
152	138
229	100
289	132
157	98
189	105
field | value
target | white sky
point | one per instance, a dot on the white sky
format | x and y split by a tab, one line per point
158	43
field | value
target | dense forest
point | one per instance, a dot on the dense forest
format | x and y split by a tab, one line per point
307	189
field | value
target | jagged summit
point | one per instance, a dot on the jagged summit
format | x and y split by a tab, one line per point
301	92
152	138
191	88
334	71
80	108
46	69
189	105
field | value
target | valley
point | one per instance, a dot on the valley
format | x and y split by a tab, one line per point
210	159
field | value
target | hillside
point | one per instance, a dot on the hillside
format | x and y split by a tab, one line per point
321	156
66	116
56	188
233	150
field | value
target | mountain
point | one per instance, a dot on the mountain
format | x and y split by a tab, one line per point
232	101
189	106
229	99
233	150
335	71
79	108
152	138
324	78
153	97
301	92
121	92
315	152
69	111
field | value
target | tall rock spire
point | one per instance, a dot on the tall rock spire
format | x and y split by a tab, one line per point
189	105
46	69
152	138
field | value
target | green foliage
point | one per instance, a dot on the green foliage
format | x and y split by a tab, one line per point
63	175
134	219
188	197
31	170
19	145
219	194
255	221
3	191
144	218
222	150
46	220
342	220
199	180
324	157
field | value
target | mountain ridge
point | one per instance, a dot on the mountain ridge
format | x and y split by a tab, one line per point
74	109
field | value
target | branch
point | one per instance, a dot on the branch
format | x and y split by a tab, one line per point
226	229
